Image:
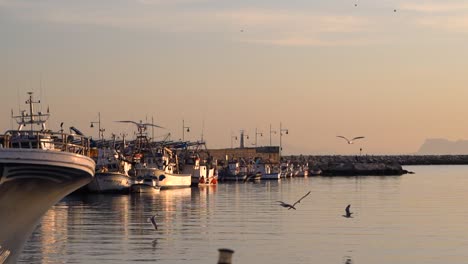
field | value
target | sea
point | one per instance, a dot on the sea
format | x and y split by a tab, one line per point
413	218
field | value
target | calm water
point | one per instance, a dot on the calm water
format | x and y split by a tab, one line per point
419	218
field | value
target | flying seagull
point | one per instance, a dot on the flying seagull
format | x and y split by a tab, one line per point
292	206
141	124
153	221
350	141
348	213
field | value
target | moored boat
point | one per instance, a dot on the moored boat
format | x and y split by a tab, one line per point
267	171
38	168
111	172
145	184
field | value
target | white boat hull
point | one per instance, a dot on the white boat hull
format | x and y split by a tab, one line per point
110	182
168	180
31	181
144	188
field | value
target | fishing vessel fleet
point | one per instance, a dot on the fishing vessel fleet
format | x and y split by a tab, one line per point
38	167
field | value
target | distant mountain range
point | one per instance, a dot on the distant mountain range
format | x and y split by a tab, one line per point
443	146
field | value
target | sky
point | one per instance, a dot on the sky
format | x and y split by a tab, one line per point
320	68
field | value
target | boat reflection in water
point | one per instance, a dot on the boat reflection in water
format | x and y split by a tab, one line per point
38	167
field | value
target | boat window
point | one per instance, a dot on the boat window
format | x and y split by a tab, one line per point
25	145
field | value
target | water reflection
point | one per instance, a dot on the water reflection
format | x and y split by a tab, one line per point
193	223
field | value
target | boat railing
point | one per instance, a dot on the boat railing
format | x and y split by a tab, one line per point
58	141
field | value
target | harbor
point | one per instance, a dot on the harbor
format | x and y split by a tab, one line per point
37	160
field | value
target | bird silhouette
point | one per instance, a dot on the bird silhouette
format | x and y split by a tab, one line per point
348	213
153	221
289	206
350	141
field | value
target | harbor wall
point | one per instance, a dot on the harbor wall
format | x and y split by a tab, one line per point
387	159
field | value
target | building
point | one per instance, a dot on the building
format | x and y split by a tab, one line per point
265	153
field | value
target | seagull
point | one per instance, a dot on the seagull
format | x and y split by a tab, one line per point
350	141
153	221
141	124
292	206
348	213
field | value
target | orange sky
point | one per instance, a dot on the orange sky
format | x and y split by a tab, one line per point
322	68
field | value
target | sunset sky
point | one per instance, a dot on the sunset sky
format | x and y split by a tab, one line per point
321	68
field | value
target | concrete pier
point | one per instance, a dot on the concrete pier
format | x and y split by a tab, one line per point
371	165
387	159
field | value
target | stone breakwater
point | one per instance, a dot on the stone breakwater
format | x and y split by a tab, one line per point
371	165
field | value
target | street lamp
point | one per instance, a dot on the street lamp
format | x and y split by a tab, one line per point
233	137
257	133
183	130
271	131
281	130
101	130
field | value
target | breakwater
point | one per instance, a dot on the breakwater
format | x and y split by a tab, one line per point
370	165
387	159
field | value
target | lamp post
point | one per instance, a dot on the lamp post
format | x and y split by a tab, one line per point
271	131
183	130
233	137
281	130
101	130
257	133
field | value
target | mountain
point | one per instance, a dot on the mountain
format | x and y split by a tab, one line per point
443	146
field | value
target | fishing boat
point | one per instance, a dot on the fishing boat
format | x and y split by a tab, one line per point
145	184
168	170
202	174
38	168
233	172
111	172
155	161
268	171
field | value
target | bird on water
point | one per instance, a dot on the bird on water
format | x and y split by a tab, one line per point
153	221
348	213
289	206
350	141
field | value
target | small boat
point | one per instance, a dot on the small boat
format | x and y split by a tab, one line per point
38	168
168	173
146	184
267	171
203	174
111	172
233	172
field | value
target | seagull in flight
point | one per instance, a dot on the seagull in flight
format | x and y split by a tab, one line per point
348	213
285	205
350	141
141	124
153	221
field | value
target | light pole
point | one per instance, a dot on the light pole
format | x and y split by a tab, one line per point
183	130
233	137
281	130
257	133
271	131
101	130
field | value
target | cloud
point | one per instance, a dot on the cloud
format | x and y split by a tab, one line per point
435	7
261	26
458	24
